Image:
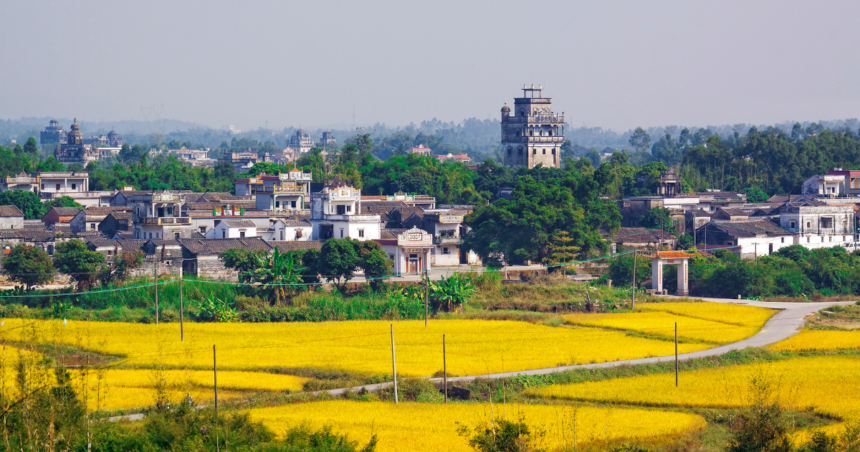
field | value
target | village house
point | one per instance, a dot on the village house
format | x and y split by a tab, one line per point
201	256
114	222
287	191
232	228
750	238
158	215
65	215
335	214
11	217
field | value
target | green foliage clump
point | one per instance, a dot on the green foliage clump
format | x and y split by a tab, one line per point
82	265
450	293
29	265
503	436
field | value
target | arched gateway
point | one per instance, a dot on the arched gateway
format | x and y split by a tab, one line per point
679	258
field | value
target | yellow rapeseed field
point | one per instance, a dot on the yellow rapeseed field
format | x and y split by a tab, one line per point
830	385
819	340
663	324
473	346
432	427
731	314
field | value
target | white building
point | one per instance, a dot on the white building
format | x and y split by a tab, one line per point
411	250
832	185
749	238
233	228
819	225
334	214
285	192
290	230
158	215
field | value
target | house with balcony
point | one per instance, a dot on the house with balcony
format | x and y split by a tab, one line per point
819	225
410	249
286	192
335	214
825	185
158	215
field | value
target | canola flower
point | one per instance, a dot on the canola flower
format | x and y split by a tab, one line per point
819	340
424	427
731	314
473	346
662	324
829	385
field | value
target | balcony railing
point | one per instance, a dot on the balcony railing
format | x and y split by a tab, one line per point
165	221
821	231
278	190
447	240
353	218
543	139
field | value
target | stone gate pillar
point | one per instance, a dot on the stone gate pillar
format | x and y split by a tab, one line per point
657	275
683	272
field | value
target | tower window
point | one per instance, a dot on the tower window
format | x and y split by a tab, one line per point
544	151
534	151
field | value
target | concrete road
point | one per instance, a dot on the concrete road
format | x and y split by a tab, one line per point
784	324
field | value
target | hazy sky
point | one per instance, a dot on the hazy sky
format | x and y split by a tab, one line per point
605	63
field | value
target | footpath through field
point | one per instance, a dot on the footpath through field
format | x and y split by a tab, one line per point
784	324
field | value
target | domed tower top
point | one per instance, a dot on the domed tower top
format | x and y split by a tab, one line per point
75	136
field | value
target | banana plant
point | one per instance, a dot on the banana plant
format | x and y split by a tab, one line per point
277	273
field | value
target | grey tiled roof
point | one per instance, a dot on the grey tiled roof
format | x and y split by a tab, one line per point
105	210
217	246
751	228
10	211
294	245
67	211
238	223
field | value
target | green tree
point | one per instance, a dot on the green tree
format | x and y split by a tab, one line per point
640	140
755	194
62	201
121	267
373	260
450	293
31	147
243	261
658	218
28	202
29	265
82	265
561	251
277	273
338	260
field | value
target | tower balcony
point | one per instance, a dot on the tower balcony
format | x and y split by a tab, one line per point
544	139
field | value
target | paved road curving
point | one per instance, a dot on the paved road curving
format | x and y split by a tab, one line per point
782	325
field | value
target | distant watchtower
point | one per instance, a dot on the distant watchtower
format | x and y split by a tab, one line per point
532	134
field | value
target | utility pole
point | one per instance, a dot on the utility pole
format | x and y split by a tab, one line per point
215	373
155	277
181	312
633	294
394	364
444	369
676	354
426	295
755	250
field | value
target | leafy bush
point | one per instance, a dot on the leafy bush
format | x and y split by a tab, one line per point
503	436
214	309
450	293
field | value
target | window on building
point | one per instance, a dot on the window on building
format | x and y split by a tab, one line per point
203	230
58	187
294	204
341	233
831	238
175	235
241	233
808	225
349	208
277	204
74	186
783	240
361	232
808	239
534	151
150	235
792	224
110	253
43	186
92	226
223	234
390	256
445	251
544	152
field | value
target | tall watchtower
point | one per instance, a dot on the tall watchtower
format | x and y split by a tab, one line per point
531	133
